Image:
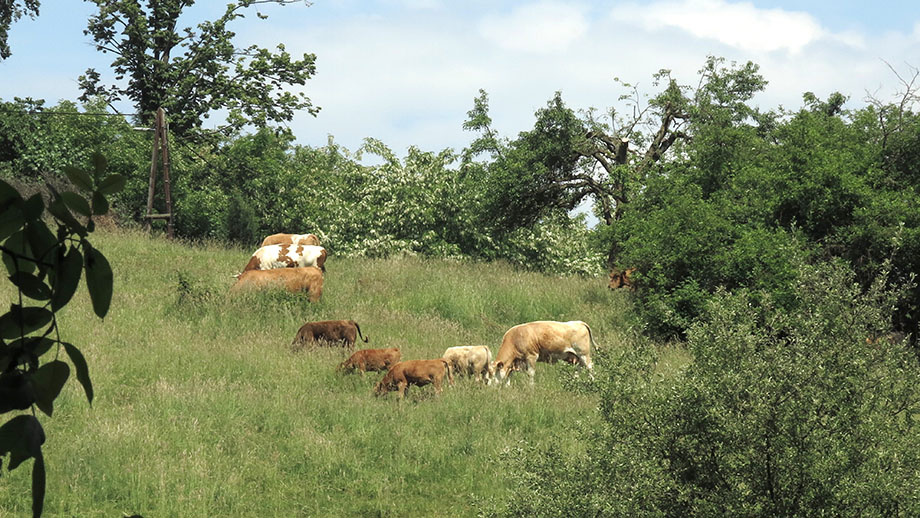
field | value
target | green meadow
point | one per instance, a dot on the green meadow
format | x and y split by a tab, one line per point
203	409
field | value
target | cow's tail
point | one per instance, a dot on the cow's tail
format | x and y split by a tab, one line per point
359	331
591	337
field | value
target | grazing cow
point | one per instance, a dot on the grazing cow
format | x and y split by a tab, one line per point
621	279
291	239
370	360
472	360
287	256
546	341
343	331
309	279
414	372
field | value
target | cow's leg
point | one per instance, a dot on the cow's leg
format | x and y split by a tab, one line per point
403	388
530	366
437	384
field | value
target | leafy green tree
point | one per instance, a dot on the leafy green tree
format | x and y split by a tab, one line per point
11	11
45	266
798	413
192	72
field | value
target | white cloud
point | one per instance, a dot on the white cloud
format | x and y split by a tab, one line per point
544	27
739	25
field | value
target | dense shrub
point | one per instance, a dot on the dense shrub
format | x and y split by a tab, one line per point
781	413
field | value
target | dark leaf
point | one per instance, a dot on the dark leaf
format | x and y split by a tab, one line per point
33	207
11	220
98	280
99	165
76	203
16	392
38	485
41	239
79	178
66	278
58	209
100	204
31	286
38	345
21	321
20	258
48	381
79	364
22	437
113	183
8	195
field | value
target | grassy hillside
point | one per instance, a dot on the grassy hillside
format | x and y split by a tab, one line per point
202	409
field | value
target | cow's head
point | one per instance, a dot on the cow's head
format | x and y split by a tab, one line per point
499	372
383	386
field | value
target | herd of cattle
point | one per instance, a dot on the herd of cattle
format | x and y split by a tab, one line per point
297	263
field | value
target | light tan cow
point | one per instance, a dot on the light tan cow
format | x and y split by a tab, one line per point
414	372
471	360
547	341
287	256
309	279
291	239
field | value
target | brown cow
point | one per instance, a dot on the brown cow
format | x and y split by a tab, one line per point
291	239
343	331
546	341
370	360
621	279
287	256
414	372
309	279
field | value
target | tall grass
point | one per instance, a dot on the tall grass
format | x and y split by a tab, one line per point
203	409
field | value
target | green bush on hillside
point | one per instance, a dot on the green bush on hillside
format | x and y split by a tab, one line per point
810	412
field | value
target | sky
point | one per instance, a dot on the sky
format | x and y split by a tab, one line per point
406	71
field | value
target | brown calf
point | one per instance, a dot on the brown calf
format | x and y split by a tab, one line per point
414	372
344	331
370	360
621	279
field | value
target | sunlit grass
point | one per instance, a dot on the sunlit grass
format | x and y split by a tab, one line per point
203	409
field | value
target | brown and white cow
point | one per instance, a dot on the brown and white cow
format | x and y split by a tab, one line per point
309	279
547	341
287	256
414	372
370	360
344	331
471	360
291	239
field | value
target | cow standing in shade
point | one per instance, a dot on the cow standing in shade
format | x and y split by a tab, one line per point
344	331
370	360
414	372
546	341
471	360
287	256
295	280
291	239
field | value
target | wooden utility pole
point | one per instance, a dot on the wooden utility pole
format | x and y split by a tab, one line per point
161	148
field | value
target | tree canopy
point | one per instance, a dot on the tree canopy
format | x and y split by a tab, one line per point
193	71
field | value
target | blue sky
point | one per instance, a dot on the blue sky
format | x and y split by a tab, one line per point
406	71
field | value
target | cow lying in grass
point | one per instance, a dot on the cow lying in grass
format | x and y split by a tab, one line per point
471	360
330	331
370	360
291	239
414	372
296	280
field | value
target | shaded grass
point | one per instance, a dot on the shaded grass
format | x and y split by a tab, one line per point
203	409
